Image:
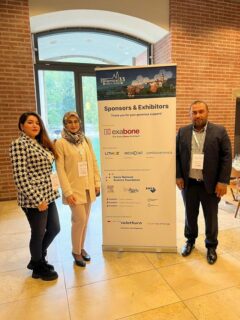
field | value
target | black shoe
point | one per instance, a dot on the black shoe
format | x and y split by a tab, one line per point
85	255
211	255
48	265
79	262
41	271
187	249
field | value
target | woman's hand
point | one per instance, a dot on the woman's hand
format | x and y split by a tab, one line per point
71	200
97	191
43	206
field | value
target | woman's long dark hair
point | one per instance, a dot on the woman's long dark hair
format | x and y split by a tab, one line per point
42	137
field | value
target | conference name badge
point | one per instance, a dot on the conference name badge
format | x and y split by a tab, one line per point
82	169
54	181
197	161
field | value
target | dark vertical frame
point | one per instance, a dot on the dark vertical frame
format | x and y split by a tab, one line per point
237	128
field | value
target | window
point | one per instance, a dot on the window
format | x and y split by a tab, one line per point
91	47
65	73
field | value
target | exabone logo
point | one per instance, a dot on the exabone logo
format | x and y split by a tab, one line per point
126	131
122	132
107	131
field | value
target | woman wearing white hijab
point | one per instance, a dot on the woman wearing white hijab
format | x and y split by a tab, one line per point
79	179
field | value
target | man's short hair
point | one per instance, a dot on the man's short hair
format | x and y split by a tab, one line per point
199	102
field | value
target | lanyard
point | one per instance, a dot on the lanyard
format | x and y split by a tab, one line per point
196	139
81	152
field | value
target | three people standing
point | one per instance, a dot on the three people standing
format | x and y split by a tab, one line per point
203	168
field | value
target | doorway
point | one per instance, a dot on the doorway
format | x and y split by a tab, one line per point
65	72
60	91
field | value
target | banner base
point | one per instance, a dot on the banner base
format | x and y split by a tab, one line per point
139	249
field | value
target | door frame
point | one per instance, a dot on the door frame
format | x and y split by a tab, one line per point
78	70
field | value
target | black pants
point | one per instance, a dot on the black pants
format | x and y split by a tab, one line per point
44	228
193	195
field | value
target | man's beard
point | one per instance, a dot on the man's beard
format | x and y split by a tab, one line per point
199	124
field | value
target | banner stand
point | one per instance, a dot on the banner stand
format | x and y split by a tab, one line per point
137	125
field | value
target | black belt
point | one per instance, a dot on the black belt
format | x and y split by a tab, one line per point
195	180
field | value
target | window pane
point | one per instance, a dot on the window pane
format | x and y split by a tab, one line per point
57	96
90	109
92	47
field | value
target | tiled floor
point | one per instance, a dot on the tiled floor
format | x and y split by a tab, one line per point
130	286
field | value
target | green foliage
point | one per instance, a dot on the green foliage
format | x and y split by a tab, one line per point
59	96
90	101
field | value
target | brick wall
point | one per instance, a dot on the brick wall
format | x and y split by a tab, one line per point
205	45
16	82
141	59
162	51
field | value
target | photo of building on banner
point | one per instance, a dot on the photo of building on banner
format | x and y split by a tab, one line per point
137	122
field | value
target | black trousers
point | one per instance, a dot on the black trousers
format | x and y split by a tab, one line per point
193	195
44	228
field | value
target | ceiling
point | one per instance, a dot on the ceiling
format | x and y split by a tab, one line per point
154	11
100	19
140	19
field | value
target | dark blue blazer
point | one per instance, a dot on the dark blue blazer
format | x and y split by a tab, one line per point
217	155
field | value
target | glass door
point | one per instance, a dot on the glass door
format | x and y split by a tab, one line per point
72	90
57	96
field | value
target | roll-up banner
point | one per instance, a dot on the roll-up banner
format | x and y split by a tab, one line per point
137	121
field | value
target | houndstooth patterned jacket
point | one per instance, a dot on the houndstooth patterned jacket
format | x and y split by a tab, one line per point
32	166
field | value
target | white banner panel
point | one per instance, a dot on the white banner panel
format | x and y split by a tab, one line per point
137	116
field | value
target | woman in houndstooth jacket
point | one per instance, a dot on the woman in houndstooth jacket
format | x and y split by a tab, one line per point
32	155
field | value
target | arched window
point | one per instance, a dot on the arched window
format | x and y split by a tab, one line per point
65	72
91	46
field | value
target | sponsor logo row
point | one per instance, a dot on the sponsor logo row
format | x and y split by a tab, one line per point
110	189
134	153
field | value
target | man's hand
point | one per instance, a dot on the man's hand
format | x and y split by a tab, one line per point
180	183
221	189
